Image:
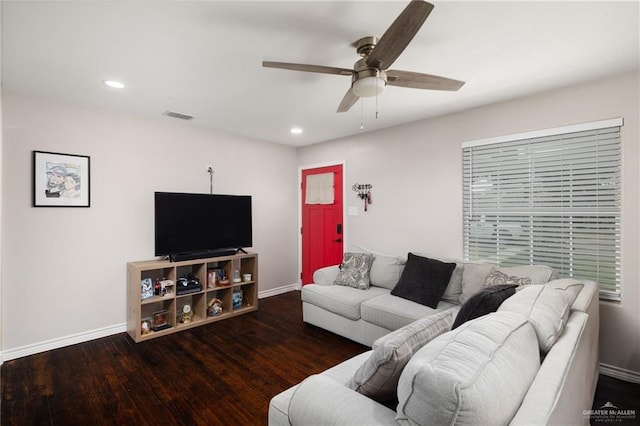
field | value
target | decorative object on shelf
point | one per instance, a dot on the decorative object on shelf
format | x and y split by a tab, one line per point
214	275
145	326
246	277
212	278
166	287
236	276
160	320
187	314
146	288
60	180
364	193
223	279
188	284
237	299
214	308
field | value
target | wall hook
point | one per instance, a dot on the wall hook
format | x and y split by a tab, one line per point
364	193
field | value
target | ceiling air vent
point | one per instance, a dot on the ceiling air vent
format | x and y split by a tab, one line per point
178	115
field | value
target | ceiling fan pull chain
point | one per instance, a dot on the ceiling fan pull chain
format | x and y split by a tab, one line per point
361	115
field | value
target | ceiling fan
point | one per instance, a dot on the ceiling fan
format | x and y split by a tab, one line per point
371	74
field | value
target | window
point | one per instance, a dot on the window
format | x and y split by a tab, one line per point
547	197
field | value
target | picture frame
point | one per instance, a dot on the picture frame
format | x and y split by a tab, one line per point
61	180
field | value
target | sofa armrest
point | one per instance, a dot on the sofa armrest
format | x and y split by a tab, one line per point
565	385
323	401
326	275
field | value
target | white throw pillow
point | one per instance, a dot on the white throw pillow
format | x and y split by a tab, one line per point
547	309
378	376
385	270
477	374
570	286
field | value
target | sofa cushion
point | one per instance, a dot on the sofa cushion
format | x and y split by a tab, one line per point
393	312
378	376
570	286
341	300
475	375
423	280
483	302
474	276
546	307
354	270
454	288
385	270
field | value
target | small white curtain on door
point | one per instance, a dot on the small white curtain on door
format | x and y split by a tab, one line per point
319	189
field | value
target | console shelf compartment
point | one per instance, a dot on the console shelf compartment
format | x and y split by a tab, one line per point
170	307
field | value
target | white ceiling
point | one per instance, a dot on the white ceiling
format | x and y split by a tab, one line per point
204	57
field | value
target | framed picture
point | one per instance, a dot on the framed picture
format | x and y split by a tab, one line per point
60	180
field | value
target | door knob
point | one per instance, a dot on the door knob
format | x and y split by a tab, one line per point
339	240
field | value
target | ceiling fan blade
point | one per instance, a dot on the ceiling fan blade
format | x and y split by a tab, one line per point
349	99
307	68
399	34
416	80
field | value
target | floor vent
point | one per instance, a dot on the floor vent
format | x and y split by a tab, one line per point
178	115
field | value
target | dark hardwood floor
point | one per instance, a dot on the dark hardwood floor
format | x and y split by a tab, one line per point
221	373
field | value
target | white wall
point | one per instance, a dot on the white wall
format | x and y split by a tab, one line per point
64	269
1	151
416	173
64	272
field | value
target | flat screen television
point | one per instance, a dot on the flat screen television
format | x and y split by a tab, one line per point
199	225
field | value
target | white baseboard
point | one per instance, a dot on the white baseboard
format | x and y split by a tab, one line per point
102	332
278	290
62	341
620	373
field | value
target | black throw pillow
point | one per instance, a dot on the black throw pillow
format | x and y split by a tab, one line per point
484	302
423	280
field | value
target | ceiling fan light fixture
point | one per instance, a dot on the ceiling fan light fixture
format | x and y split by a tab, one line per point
367	87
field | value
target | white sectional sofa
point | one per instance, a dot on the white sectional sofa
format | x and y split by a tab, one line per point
533	362
364	316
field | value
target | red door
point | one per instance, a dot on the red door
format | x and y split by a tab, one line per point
322	237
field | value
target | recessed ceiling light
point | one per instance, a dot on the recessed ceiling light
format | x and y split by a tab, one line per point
296	130
114	84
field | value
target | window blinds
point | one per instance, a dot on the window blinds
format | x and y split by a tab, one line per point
550	197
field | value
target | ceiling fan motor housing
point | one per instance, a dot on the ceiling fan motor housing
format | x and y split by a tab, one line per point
365	45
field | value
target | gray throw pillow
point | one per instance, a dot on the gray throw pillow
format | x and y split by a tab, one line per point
378	376
354	270
496	277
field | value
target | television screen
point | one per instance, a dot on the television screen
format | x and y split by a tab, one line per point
188	223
